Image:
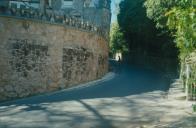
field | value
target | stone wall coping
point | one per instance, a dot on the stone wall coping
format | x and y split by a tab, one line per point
55	19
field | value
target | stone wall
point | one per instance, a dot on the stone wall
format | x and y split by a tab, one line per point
37	57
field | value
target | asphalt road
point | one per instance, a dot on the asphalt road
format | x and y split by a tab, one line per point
132	98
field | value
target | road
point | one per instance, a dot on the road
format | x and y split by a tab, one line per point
133	98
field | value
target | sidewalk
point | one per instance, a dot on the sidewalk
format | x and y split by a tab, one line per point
177	98
176	93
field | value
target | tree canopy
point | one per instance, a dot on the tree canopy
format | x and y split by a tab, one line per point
140	32
178	16
117	41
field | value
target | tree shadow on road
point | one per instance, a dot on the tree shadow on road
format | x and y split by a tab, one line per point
49	116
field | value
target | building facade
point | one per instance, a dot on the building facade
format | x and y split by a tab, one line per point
96	12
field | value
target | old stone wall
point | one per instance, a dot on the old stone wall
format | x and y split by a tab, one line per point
37	57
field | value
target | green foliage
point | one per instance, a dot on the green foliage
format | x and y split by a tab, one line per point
140	32
117	41
155	11
183	20
178	16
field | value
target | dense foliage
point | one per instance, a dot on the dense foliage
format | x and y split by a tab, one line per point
117	41
140	32
178	16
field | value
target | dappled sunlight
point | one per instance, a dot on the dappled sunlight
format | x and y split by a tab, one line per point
49	49
140	101
144	109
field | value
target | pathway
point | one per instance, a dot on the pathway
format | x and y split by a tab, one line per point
133	98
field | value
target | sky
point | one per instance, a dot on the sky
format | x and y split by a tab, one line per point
114	5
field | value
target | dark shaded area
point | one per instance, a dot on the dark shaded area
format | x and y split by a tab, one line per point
147	44
104	123
129	80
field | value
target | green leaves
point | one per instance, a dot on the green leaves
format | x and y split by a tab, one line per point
140	32
117	41
183	21
180	20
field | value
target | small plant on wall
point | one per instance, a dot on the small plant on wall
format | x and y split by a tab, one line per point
194	107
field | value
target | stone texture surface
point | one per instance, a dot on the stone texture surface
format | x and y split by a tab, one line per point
37	57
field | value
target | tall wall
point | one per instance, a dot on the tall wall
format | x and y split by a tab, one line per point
37	57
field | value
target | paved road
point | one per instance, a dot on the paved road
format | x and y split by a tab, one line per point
133	98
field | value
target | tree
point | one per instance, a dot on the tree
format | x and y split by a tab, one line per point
156	10
178	16
182	22
140	32
117	41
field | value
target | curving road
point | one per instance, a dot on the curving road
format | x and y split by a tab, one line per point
133	98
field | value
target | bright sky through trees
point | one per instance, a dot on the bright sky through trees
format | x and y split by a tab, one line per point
114	6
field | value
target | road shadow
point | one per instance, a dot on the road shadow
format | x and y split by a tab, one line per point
131	97
129	80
